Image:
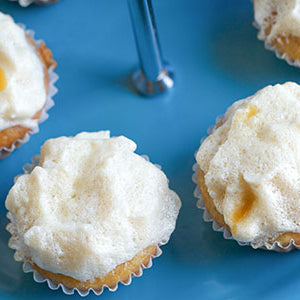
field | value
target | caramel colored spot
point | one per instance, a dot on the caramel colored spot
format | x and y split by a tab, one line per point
247	201
270	21
245	116
252	111
3	82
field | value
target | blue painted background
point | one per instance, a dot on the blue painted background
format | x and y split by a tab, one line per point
218	59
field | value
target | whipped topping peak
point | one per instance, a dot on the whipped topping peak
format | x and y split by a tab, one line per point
251	164
90	205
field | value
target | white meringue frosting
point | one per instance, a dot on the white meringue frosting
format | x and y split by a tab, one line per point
22	87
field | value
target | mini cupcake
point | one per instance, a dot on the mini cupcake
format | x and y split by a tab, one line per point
25	3
24	84
248	169
92	213
278	22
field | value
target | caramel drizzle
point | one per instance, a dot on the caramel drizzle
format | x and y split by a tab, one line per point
3	81
247	201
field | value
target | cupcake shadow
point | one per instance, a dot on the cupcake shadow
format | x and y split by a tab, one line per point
10	271
13	281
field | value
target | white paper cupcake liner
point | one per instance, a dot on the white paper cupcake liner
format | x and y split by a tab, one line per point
261	36
26	3
52	90
37	277
276	246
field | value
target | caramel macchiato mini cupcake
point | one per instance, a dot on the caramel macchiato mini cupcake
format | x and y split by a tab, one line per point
91	214
248	169
26	84
278	22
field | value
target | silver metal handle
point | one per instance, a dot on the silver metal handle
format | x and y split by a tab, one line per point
154	75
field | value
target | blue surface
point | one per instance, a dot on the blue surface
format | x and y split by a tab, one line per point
218	59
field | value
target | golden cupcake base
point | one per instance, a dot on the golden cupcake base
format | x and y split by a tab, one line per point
123	273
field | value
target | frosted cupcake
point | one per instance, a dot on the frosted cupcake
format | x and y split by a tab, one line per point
248	169
92	213
24	83
278	22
